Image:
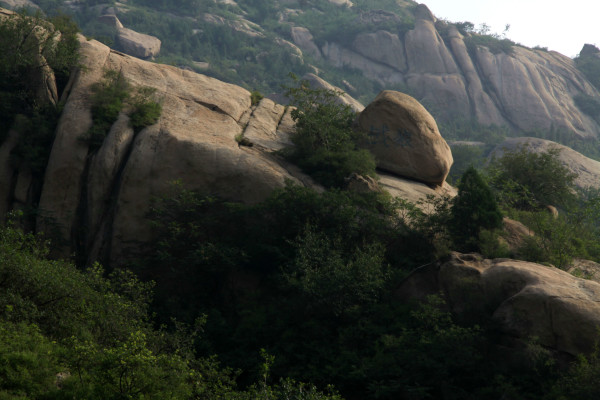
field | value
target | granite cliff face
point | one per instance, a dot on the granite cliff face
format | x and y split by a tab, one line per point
94	202
526	90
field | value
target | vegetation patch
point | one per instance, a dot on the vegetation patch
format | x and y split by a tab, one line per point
32	46
109	97
326	146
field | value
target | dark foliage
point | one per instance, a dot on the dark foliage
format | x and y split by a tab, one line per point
474	210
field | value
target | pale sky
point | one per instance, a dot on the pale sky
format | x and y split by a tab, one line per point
564	26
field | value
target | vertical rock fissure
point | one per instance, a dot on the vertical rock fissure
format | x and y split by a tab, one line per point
79	230
100	244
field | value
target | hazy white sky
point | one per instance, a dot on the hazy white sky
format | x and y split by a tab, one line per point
564	26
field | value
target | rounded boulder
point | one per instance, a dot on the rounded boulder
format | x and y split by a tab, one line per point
405	138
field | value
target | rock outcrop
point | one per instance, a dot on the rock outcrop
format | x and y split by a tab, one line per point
209	137
524	89
525	299
138	44
109	191
587	171
405	138
131	42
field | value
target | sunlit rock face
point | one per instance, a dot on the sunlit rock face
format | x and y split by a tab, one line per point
405	138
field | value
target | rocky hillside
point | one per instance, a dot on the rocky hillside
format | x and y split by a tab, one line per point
523	88
304	270
362	47
95	199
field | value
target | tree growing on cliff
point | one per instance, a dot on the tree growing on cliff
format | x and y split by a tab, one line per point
325	143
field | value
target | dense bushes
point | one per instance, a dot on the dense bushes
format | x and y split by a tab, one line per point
525	183
66	334
529	180
27	53
282	275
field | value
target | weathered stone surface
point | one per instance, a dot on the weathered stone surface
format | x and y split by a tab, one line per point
405	138
109	191
138	44
535	89
319	83
480	102
345	3
527	89
514	234
586	169
62	183
525	299
303	39
362	184
413	191
341	57
425	48
585	269
262	126
382	46
17	4
110	20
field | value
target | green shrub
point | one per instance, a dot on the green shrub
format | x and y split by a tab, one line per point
473	210
526	179
145	111
581	381
255	97
465	156
325	143
25	51
108	99
112	95
588	104
29	362
589	65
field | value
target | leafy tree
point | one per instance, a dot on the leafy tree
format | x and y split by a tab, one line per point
474	209
325	143
528	180
29	362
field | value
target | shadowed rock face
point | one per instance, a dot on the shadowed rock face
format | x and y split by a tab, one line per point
525	299
526	90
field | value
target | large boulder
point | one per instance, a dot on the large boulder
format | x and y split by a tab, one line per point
138	44
526	300
405	138
382	46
